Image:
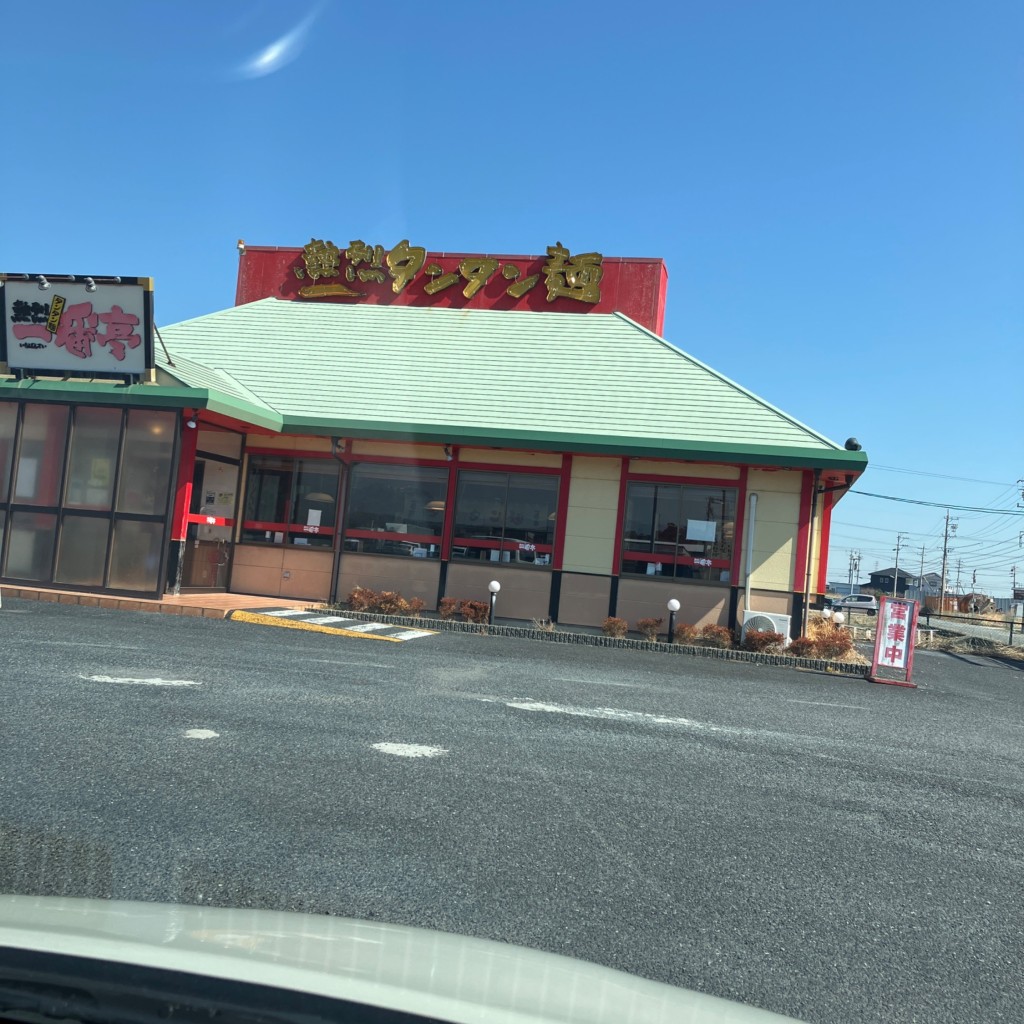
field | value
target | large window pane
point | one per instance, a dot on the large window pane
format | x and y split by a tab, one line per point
135	562
94	440
30	551
508	517
83	551
405	500
680	530
41	459
146	464
291	501
8	423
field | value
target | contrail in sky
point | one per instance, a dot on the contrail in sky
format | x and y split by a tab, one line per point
281	52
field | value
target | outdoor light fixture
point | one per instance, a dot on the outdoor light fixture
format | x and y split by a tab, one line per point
448	452
43	283
191	423
90	284
673	607
494	586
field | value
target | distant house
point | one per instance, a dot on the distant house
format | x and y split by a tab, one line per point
882	579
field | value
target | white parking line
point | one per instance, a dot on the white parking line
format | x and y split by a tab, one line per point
282	612
368	627
201	734
409	750
413	634
156	681
322	620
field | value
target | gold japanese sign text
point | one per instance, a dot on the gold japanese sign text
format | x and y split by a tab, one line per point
565	276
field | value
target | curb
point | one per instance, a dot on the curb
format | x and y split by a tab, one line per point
592	640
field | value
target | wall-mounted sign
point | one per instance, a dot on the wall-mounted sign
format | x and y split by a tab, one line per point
366	273
894	642
76	325
362	266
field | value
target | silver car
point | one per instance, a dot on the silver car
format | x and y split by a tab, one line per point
856	603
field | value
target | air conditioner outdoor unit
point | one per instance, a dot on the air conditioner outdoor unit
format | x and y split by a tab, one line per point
770	622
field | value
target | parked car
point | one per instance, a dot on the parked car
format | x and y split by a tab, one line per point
856	603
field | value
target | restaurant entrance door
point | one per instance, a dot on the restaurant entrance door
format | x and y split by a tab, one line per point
211	524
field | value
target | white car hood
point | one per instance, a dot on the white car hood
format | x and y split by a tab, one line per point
465	980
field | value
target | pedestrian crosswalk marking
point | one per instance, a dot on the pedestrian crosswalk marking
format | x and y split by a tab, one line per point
314	621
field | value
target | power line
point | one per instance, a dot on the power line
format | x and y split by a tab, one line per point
938	476
942	504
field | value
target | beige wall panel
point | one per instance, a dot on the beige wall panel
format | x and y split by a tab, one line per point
586	467
699	605
300	559
259	555
255	579
525	593
583	600
588	554
766	601
313	586
411	577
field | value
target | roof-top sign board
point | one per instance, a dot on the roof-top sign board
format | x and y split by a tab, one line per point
76	325
407	275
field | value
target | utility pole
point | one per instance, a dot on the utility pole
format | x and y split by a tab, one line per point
920	581
854	567
959	568
900	537
950	529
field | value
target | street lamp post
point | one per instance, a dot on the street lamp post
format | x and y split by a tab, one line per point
494	586
673	607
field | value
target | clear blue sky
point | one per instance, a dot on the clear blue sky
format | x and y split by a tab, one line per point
837	188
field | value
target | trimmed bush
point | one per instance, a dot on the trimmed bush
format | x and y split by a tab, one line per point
713	636
447	608
684	633
803	647
615	627
474	611
763	640
390	602
832	641
415	607
362	599
649	628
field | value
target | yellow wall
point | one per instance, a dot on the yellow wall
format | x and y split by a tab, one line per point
695	469
775	534
397	450
547	460
287	443
593	508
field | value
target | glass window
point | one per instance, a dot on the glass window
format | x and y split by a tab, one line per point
82	554
94	440
30	551
135	561
146	463
8	423
290	501
508	517
405	504
41	459
679	530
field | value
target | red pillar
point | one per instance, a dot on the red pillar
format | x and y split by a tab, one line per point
186	470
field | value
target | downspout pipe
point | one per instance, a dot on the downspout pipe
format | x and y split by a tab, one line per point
339	449
751	526
806	616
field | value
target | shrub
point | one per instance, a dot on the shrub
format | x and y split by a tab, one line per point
803	647
415	607
474	611
763	640
447	607
684	633
713	636
545	625
614	627
648	628
362	599
834	645
389	602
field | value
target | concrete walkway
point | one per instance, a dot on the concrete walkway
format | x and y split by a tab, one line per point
203	605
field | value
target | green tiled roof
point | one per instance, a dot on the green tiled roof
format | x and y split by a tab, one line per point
598	382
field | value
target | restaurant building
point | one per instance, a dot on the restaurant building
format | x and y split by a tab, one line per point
409	421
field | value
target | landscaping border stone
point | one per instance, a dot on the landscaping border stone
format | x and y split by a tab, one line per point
565	636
